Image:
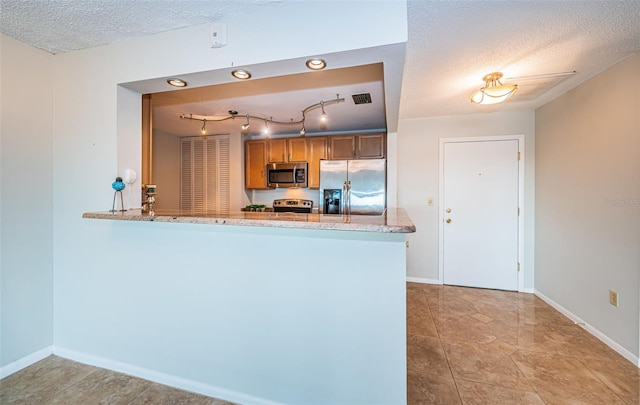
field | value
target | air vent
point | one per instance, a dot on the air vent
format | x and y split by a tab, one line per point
364	98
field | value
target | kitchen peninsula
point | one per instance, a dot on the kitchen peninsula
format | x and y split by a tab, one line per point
393	220
270	307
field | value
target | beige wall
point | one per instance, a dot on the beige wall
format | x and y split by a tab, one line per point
166	170
417	179
588	202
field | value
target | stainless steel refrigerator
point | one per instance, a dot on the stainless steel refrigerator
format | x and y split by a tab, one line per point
353	187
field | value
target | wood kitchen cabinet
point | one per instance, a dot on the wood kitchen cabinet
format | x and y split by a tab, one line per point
342	147
357	146
284	150
371	146
255	163
310	149
318	149
297	149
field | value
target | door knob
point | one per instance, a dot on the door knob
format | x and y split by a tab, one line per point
448	220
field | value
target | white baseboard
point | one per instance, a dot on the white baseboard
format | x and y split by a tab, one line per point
26	361
595	332
162	378
423	280
528	290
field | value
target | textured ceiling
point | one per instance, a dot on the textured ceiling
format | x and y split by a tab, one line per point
451	44
67	25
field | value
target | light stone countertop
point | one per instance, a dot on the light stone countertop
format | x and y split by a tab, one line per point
394	220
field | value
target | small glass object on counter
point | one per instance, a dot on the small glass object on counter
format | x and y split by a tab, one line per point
148	198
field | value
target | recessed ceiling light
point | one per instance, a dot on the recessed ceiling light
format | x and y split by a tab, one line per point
316	64
177	82
241	74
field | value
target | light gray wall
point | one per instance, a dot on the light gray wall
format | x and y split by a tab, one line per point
588	201
417	176
26	206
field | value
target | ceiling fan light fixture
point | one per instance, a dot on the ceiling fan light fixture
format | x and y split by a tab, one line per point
175	82
494	91
316	64
241	74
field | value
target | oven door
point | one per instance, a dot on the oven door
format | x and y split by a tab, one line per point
287	175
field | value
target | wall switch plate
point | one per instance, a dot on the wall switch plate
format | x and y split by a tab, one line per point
613	298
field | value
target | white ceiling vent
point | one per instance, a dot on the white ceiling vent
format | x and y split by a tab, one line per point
364	98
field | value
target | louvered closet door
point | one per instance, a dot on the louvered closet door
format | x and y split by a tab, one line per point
199	176
186	189
223	175
205	174
212	175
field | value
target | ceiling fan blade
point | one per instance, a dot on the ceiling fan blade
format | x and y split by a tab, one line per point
542	76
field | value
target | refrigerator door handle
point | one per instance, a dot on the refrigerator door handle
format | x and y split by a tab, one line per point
349	197
343	202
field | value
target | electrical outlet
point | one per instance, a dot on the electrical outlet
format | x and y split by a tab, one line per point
613	298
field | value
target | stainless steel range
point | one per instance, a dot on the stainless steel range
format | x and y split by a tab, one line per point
293	205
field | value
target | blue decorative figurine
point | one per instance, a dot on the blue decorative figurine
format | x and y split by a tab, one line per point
118	186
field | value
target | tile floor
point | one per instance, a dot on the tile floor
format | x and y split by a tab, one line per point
475	346
464	346
55	380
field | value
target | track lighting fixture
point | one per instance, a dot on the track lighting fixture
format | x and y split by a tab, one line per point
303	131
244	128
266	127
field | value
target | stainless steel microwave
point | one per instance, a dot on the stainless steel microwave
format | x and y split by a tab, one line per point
287	175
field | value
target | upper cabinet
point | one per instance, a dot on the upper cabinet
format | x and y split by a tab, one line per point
371	146
255	163
318	150
283	150
357	146
342	147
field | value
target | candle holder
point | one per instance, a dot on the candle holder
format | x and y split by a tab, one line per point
118	186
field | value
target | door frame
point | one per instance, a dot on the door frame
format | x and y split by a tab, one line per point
441	213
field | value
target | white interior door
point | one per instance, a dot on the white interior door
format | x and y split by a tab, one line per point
480	213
